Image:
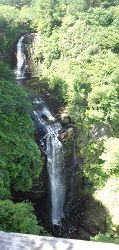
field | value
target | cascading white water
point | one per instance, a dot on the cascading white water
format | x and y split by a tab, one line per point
55	163
55	159
21	60
53	146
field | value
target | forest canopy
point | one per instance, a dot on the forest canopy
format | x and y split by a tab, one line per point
79	58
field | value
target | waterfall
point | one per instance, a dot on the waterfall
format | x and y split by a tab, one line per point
55	158
21	60
50	142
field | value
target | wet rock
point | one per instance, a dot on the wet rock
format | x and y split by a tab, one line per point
83	234
100	131
65	118
94	217
31	41
67	134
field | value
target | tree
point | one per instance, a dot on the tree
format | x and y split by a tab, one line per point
20	161
16	3
46	17
19	218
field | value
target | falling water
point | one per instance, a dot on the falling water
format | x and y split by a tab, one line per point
55	158
21	60
52	145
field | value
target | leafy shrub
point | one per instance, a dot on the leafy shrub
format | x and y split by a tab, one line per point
19	218
105	238
20	161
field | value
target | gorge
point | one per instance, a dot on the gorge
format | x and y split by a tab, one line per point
60	199
61	208
59	118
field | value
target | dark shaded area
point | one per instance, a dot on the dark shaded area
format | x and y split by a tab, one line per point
83	218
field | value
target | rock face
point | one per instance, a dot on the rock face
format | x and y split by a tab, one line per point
31	42
100	131
94	217
72	165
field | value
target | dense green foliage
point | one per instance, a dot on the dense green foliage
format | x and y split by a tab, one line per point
16	3
13	22
20	158
78	56
105	238
19	218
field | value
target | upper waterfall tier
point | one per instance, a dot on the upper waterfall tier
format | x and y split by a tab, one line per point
21	60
